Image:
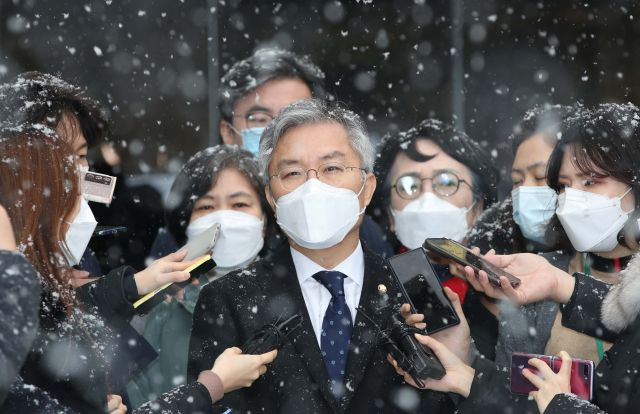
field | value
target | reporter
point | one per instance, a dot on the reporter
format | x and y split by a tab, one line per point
74	347
84	123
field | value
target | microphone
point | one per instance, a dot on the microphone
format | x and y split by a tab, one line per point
418	360
271	336
412	357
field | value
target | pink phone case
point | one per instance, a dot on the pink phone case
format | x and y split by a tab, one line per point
581	374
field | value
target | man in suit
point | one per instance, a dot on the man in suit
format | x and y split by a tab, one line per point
317	160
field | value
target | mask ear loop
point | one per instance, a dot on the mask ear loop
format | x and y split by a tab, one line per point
231	127
621	197
364	182
471	206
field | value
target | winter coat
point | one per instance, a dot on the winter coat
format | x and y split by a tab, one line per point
191	398
19	304
72	353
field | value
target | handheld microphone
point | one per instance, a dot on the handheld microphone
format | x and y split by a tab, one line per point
271	336
411	356
419	361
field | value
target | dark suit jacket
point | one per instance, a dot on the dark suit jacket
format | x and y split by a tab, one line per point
230	309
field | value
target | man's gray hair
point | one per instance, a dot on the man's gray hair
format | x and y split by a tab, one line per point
313	111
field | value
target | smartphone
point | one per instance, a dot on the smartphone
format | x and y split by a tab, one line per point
460	254
581	374
151	299
109	230
418	282
202	243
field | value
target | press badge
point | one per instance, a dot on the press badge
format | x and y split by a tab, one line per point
97	187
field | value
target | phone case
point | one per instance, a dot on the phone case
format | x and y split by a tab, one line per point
414	267
581	374
202	243
470	259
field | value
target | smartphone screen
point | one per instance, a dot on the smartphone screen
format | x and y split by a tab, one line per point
581	374
423	290
464	256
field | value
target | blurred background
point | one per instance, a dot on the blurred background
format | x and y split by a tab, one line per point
479	63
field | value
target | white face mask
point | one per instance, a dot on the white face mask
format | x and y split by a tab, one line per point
429	216
317	215
79	233
240	239
591	221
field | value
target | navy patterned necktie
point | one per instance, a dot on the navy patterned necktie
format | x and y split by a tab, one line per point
336	329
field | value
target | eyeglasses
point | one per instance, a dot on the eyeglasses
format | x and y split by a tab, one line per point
256	119
444	183
333	173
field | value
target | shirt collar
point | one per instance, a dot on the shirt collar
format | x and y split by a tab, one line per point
352	266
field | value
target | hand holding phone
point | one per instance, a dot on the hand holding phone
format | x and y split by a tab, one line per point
177	281
581	379
464	256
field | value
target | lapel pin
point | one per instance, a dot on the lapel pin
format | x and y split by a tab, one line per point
382	288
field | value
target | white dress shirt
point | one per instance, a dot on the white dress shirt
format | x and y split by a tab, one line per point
317	297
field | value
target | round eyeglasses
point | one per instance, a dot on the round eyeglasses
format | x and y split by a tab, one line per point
444	183
333	173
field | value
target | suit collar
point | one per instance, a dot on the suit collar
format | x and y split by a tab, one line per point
304	342
352	266
364	336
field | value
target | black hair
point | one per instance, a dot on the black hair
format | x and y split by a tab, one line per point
197	177
453	142
604	141
41	98
545	120
265	65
